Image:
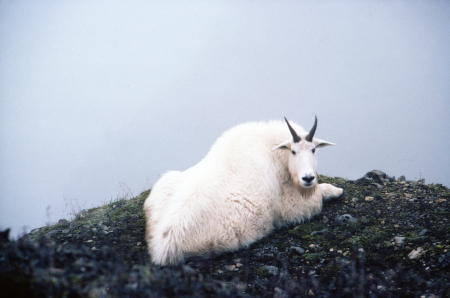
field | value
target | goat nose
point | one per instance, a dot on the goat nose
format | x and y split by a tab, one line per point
308	179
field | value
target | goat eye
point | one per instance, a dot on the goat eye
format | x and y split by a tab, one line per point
313	150
293	152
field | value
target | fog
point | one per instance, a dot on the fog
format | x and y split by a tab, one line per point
99	98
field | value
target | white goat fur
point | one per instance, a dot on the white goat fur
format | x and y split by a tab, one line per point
237	194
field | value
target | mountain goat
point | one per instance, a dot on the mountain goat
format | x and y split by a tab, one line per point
256	177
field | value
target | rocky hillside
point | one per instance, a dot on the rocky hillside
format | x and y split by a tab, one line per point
386	238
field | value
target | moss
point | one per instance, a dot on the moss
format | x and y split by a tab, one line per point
315	256
262	271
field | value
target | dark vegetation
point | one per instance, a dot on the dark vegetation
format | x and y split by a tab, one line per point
392	242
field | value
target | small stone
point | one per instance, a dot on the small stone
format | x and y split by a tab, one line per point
368	199
63	222
444	260
354	200
319	232
402	178
89	241
219	271
236	260
346	218
325	219
379	186
331	249
423	232
56	271
102	226
441	200
378	212
271	270
297	249
399	240
279	293
238	265
415	253
52	233
230	267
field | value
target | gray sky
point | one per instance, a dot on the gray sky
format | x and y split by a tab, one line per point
99	98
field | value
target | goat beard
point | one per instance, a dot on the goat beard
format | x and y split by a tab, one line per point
306	192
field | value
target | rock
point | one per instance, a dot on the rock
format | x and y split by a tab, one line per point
325	219
4	235
364	180
416	253
399	240
188	270
102	226
346	218
402	178
230	267
379	186
377	176
63	222
297	249
271	270
319	232
423	232
279	293
368	199
52	233
55	271
444	260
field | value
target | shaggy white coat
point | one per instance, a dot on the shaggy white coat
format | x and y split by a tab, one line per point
237	194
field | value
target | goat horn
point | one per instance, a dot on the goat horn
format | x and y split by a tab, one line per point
294	134
311	133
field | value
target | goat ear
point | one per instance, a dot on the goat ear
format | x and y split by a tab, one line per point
321	143
284	145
